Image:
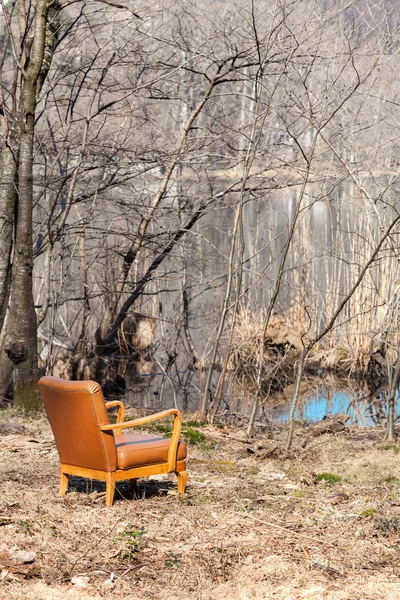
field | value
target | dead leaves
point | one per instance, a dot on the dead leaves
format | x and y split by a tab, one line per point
15	443
17	564
267	449
12	428
331	424
327	570
337	498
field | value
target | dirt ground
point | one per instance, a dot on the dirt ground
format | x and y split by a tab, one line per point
322	524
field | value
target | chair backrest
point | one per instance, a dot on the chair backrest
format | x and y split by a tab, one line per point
76	410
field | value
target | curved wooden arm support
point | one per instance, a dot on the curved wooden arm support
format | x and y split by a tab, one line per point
173	446
120	413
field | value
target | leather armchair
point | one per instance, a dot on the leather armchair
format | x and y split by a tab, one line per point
89	446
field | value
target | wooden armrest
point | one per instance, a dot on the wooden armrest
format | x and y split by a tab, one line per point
144	420
120	413
114	403
173	446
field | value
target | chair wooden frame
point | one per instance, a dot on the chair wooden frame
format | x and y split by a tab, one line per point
171	466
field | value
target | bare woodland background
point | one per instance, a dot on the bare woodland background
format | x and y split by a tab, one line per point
198	187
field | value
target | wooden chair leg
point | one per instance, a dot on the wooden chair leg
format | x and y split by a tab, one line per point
182	479
63	483
110	488
133	485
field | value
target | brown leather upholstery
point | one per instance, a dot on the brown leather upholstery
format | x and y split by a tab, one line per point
76	410
136	450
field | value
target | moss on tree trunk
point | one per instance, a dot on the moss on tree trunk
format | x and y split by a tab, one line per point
27	398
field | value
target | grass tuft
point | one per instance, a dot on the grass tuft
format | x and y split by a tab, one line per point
329	478
130	542
189	433
368	513
394	447
391	479
387	525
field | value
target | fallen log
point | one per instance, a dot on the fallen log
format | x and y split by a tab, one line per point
331	424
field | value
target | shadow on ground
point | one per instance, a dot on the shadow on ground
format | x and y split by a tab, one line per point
123	491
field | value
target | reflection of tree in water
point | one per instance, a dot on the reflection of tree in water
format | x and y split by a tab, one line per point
377	408
125	366
377	380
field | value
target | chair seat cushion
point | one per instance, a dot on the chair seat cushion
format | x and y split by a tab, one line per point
138	450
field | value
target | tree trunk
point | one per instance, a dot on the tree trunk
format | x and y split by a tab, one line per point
21	338
21	347
8	172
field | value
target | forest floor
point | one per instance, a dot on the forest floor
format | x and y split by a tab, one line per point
321	524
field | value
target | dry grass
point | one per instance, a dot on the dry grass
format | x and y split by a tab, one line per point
247	529
282	344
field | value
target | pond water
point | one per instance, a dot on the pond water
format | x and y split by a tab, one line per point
362	410
324	400
335	231
334	234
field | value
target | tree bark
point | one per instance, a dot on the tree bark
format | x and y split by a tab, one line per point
21	338
8	172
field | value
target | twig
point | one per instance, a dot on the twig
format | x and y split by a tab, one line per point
93	546
238	439
134	568
301	535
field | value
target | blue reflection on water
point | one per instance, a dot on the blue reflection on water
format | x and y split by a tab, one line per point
358	405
